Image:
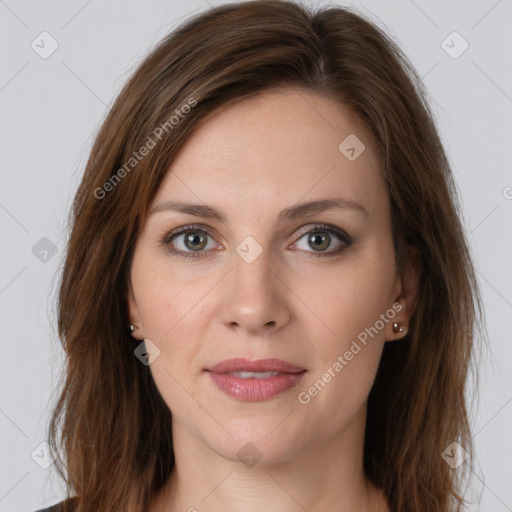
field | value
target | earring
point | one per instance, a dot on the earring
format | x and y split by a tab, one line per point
397	327
132	327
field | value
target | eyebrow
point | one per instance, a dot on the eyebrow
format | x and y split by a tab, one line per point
291	213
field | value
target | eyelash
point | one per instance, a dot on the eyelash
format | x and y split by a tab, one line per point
344	237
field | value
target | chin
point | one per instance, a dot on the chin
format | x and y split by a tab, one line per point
257	440
255	451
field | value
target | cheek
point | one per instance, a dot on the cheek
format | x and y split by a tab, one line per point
174	315
163	299
169	313
346	360
350	298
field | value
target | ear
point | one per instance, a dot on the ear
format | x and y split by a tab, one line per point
133	314
405	295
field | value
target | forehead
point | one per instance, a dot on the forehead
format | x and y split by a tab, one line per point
277	148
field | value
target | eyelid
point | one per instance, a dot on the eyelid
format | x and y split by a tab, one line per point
311	227
185	229
320	227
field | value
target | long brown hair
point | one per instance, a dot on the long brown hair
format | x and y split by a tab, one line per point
110	426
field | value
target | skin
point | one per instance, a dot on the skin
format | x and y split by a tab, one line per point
251	161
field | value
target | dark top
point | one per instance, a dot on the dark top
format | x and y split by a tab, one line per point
62	506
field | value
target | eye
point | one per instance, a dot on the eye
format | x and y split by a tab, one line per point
320	238
190	241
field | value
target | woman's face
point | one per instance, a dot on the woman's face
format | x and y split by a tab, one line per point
262	273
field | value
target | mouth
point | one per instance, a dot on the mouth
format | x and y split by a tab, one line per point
259	380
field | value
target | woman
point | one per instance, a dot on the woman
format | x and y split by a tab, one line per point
268	301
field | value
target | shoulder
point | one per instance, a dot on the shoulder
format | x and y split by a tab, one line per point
63	506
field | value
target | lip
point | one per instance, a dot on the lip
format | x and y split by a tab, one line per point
255	389
239	364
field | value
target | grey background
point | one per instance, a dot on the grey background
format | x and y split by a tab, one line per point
50	108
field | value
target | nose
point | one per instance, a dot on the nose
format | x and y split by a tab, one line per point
254	297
